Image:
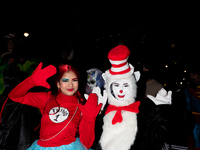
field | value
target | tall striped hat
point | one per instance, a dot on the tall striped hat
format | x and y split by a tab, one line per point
118	57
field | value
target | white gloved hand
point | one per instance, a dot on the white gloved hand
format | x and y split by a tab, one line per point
86	96
101	99
162	97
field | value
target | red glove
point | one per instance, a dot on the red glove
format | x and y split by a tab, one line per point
39	76
90	110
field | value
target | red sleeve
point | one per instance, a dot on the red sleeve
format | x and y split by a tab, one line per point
20	94
87	132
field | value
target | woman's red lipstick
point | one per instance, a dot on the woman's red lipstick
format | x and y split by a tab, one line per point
70	90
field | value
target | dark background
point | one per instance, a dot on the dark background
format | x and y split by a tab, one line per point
147	28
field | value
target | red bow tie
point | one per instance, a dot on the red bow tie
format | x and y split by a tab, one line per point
118	116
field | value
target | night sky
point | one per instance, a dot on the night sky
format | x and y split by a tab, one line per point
162	24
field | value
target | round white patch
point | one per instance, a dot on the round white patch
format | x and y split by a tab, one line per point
58	116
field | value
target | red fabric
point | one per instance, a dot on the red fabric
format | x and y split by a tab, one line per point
50	129
50	135
119	53
39	76
37	99
118	116
87	126
120	65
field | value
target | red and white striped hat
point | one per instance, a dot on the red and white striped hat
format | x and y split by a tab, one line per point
118	57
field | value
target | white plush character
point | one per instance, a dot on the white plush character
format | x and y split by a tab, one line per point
120	120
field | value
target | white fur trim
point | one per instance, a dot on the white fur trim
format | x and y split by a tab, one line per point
137	75
121	135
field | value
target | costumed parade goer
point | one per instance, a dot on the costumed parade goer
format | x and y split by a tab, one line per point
192	93
63	113
8	57
130	124
94	79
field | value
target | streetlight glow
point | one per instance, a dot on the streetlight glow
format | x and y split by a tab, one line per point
26	34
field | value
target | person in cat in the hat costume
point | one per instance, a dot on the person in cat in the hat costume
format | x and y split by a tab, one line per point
129	124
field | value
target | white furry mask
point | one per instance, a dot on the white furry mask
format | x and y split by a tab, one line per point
121	91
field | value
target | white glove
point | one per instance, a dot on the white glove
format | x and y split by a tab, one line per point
101	99
162	97
86	96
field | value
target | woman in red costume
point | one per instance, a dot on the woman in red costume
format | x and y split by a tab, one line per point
62	113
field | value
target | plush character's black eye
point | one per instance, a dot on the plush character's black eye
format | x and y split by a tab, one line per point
92	82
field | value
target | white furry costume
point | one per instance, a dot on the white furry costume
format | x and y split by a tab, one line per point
114	135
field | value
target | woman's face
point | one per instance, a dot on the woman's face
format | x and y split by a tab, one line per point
68	84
